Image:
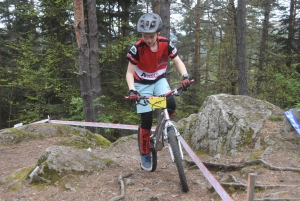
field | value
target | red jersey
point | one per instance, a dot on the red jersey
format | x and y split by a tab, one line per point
151	66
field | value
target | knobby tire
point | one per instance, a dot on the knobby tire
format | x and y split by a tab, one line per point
154	153
177	159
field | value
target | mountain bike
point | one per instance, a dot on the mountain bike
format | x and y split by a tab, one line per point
165	131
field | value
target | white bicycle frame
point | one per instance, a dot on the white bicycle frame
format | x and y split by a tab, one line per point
167	124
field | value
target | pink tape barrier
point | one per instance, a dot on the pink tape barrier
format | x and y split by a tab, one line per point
217	186
92	124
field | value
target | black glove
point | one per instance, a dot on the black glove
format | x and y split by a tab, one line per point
134	95
185	83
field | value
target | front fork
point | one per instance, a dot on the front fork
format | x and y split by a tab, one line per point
178	142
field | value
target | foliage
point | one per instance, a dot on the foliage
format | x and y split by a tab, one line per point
38	60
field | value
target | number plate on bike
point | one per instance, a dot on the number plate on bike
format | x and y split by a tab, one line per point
158	102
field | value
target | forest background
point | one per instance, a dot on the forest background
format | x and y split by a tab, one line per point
67	59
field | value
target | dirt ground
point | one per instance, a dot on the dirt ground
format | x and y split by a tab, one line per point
162	185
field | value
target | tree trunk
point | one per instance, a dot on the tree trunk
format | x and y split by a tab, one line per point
94	57
162	7
291	33
263	44
83	62
125	30
241	48
197	65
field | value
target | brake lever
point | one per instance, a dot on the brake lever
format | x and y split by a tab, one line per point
146	102
177	91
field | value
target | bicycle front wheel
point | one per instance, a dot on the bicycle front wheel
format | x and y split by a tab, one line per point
177	159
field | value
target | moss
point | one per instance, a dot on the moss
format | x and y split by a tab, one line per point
84	142
123	139
201	152
51	175
78	142
17	178
108	162
275	118
21	135
70	178
57	179
102	141
255	155
222	148
246	138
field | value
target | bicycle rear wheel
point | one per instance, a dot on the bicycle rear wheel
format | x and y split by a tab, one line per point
153	152
177	159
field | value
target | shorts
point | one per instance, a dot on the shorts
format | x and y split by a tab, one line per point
156	89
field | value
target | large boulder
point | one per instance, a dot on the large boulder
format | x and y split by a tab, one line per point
225	123
58	162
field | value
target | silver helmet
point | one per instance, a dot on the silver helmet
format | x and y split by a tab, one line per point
149	23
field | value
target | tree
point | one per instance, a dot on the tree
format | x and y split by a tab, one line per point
162	7
83	62
94	56
197	64
263	43
241	47
291	33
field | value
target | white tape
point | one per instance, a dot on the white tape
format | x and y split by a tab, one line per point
92	124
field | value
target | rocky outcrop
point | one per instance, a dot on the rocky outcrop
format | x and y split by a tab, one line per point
79	137
60	161
226	123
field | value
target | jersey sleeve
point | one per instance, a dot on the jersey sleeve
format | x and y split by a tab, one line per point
133	55
172	50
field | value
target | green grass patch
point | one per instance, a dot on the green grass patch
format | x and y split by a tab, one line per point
275	118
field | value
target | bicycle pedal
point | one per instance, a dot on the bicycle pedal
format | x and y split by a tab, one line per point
159	146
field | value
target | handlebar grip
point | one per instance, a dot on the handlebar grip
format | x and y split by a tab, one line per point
141	97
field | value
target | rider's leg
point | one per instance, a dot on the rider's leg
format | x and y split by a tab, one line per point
145	131
171	105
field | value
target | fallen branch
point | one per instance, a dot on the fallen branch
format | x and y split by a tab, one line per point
120	179
244	186
233	167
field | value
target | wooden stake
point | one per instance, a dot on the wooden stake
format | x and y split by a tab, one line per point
250	186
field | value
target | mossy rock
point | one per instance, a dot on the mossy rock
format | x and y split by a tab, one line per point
124	139
80	137
15	180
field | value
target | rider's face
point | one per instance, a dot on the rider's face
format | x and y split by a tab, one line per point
150	38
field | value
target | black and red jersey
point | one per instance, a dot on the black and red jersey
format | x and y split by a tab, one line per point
151	66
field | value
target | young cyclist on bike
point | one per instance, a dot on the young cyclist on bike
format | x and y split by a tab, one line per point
146	75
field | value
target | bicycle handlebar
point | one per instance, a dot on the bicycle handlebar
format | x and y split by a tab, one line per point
177	91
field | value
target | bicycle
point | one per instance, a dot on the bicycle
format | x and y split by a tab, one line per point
165	131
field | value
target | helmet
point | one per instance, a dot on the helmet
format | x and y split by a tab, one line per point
149	23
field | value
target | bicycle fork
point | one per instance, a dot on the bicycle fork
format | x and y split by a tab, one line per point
179	146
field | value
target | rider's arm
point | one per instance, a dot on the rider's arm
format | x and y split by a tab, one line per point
180	65
130	76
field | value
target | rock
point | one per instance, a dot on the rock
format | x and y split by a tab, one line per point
226	123
61	160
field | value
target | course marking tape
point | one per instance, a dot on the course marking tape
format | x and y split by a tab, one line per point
42	121
92	124
217	186
293	120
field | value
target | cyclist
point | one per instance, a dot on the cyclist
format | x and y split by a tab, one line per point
146	75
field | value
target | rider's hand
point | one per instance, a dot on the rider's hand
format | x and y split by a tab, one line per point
134	95
185	83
